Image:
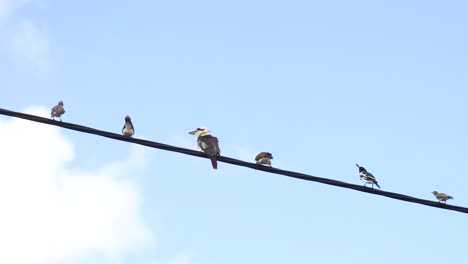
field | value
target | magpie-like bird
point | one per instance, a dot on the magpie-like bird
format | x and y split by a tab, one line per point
57	111
442	197
264	158
128	129
208	144
367	177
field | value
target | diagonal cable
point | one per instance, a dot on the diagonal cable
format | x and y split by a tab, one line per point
232	161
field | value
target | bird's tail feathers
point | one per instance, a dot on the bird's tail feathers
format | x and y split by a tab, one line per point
377	184
214	163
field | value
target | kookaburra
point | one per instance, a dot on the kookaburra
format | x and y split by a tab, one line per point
367	177
264	158
442	197
208	144
128	129
57	111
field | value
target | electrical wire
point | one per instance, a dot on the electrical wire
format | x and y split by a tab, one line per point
232	161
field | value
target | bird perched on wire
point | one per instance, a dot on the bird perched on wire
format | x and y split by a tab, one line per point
442	197
57	111
367	177
128	129
208	144
264	158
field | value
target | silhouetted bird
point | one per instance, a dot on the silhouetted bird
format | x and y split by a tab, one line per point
208	144
264	158
442	197
57	111
367	177
128	129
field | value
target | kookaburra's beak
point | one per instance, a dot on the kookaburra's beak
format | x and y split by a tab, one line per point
193	132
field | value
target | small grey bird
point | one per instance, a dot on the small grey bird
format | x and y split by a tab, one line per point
264	158
442	197
367	177
128	129
57	111
208	144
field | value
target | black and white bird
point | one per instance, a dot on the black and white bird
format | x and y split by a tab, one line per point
442	197
264	158
57	111
128	129
367	177
208	144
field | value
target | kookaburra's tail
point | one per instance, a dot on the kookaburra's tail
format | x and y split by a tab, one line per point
214	163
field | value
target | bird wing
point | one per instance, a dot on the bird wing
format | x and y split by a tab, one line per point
367	174
128	125
54	110
209	145
368	177
443	196
57	110
263	155
260	155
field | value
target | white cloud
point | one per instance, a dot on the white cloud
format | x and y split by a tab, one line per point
31	46
7	6
52	212
180	259
27	43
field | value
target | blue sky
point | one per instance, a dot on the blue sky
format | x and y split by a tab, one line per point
320	84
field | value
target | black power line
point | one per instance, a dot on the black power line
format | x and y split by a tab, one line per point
232	161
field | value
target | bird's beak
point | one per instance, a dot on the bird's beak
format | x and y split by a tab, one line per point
357	165
192	132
